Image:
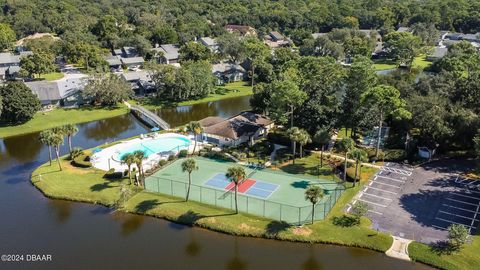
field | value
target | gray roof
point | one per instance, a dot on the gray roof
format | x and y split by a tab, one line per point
243	124
56	90
133	60
117	51
404	29
438	52
276	35
224	67
317	35
136	76
113	61
171	51
208	41
9	58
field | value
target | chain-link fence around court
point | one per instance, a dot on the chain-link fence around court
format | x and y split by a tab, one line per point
226	199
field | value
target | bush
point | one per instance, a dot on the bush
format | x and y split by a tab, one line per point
345	221
171	158
457	236
183	153
112	174
82	161
162	162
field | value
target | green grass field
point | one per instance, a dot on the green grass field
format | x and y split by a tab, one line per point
421	62
58	117
52	76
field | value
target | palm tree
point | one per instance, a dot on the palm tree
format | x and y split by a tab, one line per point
359	156
56	140
129	159
189	166
70	130
139	157
303	139
346	145
313	194
236	174
45	139
322	137
294	135
196	129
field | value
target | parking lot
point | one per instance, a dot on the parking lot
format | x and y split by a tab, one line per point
421	203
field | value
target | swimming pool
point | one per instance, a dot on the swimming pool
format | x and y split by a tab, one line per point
158	145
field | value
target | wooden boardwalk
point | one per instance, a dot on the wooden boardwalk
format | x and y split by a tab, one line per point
152	117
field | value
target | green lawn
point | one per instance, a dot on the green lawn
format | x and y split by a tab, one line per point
466	259
342	134
384	65
58	117
230	90
421	62
88	185
52	76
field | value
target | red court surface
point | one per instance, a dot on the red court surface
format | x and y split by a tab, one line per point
244	186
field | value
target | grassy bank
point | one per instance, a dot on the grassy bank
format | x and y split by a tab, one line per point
88	185
230	90
59	117
464	260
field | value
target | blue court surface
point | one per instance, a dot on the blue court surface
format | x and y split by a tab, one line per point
250	187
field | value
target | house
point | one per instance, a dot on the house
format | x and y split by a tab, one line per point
141	81
10	64
169	53
209	43
228	72
404	30
64	92
378	50
242	30
246	127
132	62
437	54
114	62
317	35
125	52
275	40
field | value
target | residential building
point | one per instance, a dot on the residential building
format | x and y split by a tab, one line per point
10	64
63	92
141	81
114	62
246	127
132	62
404	29
168	53
228	72
275	40
437	54
209	43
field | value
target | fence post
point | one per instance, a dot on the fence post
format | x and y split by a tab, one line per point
247	204
280	212
158	185
264	208
200	193
171	187
299	218
324	210
215	197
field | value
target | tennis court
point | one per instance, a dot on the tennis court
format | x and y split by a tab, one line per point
264	192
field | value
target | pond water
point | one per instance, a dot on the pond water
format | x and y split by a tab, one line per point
86	236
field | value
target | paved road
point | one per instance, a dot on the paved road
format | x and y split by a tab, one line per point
421	203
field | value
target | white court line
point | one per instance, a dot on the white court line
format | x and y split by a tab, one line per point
377	204
453	222
450	199
391	192
460	216
365	193
470	197
381	183
459	208
389	178
375	212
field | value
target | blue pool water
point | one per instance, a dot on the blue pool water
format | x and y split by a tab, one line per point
159	145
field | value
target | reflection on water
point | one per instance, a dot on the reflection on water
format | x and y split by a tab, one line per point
30	147
223	108
62	210
236	263
131	224
109	128
311	263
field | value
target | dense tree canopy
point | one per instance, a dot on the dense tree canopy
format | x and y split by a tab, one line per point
107	90
7	36
19	103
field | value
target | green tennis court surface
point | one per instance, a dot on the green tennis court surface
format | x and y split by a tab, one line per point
265	192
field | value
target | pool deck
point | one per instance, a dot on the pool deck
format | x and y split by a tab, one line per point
105	159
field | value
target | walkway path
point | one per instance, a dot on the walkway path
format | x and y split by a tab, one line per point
274	153
399	248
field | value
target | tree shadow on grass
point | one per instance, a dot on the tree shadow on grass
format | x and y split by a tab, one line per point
100	187
190	217
275	227
146	205
442	248
345	221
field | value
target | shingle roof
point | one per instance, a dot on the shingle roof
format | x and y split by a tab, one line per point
224	67
136	76
208	41
276	35
55	90
133	60
246	123
171	51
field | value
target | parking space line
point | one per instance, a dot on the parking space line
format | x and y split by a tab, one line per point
450	199
375	212
470	197
439	227
391	192
441	211
389	178
453	222
473	221
459	208
381	183
377	204
376	196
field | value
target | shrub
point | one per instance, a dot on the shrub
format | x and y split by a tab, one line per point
457	236
171	158
359	210
345	221
162	162
112	174
82	161
183	153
